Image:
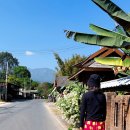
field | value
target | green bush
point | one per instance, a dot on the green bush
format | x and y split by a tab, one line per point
70	102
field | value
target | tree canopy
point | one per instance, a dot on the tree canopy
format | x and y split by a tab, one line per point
7	61
21	72
66	68
44	89
20	76
7	57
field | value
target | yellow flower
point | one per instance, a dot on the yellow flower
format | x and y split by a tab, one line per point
85	126
88	122
99	127
101	123
94	123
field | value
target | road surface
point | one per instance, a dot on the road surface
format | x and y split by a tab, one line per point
27	115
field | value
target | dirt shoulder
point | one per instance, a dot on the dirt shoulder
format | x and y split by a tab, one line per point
57	113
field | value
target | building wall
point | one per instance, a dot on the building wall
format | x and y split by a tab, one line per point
109	96
118	112
128	119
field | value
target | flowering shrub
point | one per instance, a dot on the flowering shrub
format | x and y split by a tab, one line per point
70	102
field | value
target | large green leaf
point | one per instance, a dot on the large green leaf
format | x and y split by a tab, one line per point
122	74
114	61
126	51
119	29
115	12
106	32
120	41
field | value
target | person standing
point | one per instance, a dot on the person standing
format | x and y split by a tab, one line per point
93	106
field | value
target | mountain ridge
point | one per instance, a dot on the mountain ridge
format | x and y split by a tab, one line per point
43	75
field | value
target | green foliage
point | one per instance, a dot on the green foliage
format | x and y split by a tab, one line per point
21	77
21	72
44	89
61	65
120	93
65	67
7	57
106	37
69	103
119	38
115	61
34	85
18	75
115	12
22	82
14	80
12	62
70	128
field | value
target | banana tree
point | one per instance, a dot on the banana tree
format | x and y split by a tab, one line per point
104	37
108	38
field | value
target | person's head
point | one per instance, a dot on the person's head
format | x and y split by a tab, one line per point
93	82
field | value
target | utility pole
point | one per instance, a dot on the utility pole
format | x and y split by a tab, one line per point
6	82
24	89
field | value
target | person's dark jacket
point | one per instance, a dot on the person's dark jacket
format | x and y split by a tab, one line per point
93	107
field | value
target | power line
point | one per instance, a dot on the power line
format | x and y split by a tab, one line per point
47	51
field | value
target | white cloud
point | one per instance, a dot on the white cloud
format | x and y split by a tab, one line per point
29	53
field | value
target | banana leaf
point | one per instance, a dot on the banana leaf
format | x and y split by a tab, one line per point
126	51
122	74
120	30
119	41
113	61
115	13
106	32
128	72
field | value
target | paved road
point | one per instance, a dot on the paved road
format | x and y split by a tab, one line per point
27	115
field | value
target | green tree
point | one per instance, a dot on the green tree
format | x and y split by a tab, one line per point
44	89
14	80
75	59
21	72
61	66
21	77
5	58
34	85
66	68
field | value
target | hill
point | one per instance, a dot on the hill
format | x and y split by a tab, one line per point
43	75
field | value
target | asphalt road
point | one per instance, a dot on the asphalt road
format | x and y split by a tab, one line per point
27	115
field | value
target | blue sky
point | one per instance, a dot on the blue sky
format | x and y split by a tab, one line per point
33	29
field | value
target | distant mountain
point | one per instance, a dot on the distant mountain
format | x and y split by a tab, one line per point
43	75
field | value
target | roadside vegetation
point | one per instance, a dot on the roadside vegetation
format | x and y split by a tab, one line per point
69	104
12	72
65	67
68	99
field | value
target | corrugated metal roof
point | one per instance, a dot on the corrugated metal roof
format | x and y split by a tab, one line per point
116	82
